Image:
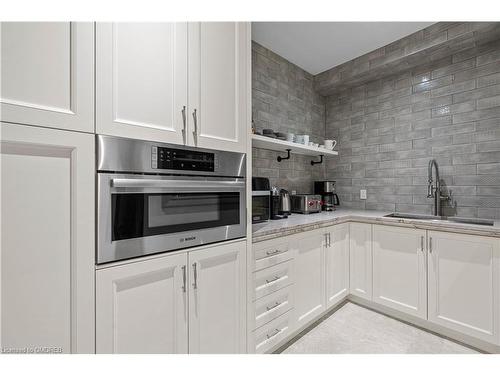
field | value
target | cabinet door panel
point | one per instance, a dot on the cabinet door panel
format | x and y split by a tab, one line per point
48	74
219	60
217	299
464	284
337	264
309	286
142	307
399	269
142	80
47	241
360	254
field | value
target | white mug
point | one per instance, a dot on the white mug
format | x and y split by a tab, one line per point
330	144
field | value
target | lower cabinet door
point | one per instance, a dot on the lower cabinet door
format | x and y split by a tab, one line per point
337	264
360	260
399	269
142	307
464	284
309	286
217	299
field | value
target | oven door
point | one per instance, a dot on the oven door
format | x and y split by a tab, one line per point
141	215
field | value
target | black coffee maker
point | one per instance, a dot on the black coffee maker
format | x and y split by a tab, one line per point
328	196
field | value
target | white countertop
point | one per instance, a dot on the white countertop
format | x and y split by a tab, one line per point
299	223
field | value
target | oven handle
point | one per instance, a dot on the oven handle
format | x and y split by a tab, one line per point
175	185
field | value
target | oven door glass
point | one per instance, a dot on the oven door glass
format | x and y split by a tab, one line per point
137	215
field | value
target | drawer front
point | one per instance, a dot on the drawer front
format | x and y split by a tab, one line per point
270	253
271	279
269	307
273	333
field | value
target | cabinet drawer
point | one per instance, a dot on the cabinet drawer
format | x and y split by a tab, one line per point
272	333
272	279
270	253
269	307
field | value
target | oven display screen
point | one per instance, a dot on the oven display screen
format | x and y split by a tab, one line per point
184	160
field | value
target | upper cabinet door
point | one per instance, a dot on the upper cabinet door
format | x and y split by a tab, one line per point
217	299
141	80
399	269
219	86
47	74
464	284
360	255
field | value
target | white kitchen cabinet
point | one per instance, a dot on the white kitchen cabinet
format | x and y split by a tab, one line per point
47	74
47	241
464	284
142	307
219	85
309	273
217	299
399	269
360	256
141	80
337	264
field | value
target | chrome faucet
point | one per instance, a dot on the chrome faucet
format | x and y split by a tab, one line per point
435	191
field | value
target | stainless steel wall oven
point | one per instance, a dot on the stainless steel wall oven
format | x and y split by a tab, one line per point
155	197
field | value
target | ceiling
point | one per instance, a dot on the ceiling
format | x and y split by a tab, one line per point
319	46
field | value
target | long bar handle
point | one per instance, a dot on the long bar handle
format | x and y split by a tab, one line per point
195	122
422	243
275	332
195	273
430	244
184	277
269	281
176	184
184	124
276	304
273	252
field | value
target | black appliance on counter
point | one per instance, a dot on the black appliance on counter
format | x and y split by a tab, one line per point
328	196
261	200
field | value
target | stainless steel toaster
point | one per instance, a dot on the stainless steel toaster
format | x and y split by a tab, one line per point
306	203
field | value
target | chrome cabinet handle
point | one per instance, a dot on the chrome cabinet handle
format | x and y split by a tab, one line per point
275	332
195	273
326	239
422	243
430	244
272	280
329	240
184	279
184	124
273	252
276	304
195	122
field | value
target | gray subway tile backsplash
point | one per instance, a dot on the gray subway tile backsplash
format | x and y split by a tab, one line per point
389	128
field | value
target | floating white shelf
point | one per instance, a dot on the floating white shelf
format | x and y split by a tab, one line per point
274	144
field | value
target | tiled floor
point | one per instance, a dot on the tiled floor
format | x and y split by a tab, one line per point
357	330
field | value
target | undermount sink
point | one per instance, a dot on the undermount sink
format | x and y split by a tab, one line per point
463	220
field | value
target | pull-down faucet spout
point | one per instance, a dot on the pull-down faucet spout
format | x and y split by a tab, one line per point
434	191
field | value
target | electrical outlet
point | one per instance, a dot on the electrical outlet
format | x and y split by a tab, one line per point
362	194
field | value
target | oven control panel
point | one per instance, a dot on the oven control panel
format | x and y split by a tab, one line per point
182	160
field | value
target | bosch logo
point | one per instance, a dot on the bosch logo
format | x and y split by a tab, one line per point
188	239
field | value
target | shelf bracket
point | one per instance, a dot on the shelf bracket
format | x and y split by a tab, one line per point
285	158
317	162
